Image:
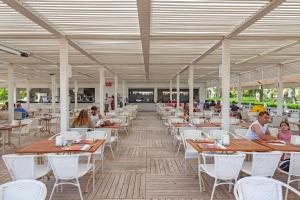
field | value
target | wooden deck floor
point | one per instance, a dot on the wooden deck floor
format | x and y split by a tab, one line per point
145	167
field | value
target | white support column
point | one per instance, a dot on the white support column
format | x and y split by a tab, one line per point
177	91
75	94
53	93
116	92
279	91
64	84
239	92
225	83
202	94
191	90
15	91
171	91
123	93
155	94
27	95
101	93
10	83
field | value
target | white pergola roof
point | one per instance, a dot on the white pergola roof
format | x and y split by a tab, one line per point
152	41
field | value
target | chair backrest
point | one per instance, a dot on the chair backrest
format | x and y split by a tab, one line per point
215	120
234	120
273	131
107	131
195	120
176	120
216	133
241	132
295	164
71	135
228	167
82	131
265	164
23	189
258	188
20	166
99	134
192	134
65	167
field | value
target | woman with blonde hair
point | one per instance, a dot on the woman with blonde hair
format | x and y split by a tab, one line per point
83	120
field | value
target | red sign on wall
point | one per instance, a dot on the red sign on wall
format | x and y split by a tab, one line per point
108	84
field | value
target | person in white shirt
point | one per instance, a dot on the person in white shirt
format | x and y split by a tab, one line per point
258	130
95	116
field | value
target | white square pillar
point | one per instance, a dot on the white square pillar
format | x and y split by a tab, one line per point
225	83
177	91
101	92
191	90
64	84
10	84
279	91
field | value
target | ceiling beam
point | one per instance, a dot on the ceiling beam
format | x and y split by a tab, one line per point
237	30
268	52
39	21
144	22
152	37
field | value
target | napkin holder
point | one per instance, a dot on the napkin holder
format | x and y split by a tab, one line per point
59	141
295	140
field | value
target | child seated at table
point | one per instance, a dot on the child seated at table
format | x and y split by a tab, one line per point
285	133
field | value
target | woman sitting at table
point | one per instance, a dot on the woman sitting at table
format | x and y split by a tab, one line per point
285	133
83	120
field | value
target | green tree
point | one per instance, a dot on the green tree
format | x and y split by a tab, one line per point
3	95
22	94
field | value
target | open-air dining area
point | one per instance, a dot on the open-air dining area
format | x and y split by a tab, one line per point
150	99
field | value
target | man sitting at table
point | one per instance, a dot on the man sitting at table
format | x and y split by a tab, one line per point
258	130
19	108
95	116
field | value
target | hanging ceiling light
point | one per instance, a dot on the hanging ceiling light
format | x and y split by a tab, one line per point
13	51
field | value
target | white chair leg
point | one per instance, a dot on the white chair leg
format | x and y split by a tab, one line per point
54	186
112	153
287	190
78	185
213	191
178	148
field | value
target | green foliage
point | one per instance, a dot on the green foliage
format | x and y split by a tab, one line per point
3	95
22	94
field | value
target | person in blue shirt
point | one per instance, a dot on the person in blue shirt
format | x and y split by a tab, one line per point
19	108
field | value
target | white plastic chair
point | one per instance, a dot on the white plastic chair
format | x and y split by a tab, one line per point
216	133
23	189
294	169
195	120
109	139
25	167
22	131
82	131
262	164
215	120
189	151
259	188
273	131
67	169
99	154
241	132
225	170
234	120
68	135
178	136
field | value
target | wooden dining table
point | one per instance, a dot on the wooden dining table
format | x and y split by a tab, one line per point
235	145
276	146
47	120
8	129
203	125
48	146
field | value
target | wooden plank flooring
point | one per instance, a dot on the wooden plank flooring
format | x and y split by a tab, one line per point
146	166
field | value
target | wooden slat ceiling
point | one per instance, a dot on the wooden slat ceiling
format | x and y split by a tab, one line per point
180	31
